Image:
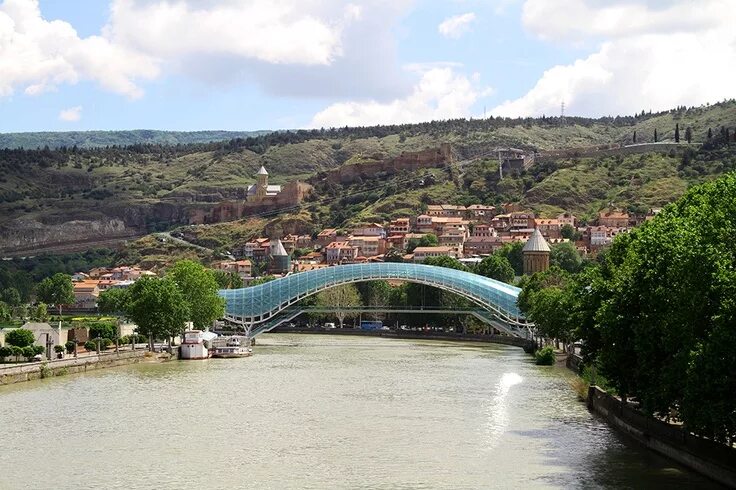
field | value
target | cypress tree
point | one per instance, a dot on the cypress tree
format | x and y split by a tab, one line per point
688	134
710	133
635	136
677	133
655	135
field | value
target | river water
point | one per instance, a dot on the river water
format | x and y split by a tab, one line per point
312	411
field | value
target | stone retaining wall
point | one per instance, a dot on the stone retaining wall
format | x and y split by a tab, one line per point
18	373
709	458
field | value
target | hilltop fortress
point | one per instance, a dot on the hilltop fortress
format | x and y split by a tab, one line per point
259	197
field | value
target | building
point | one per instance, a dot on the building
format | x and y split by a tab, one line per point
86	294
535	254
280	260
368	246
567	219
550	228
446	210
421	253
261	189
482	245
243	268
399	226
453	238
480	212
424	223
340	253
372	229
613	219
326	236
483	231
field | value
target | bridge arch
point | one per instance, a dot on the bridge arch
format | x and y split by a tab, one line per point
260	306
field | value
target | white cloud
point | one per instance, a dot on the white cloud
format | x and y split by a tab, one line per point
440	94
37	55
286	31
650	59
72	114
455	26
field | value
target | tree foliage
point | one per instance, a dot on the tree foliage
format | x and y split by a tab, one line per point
199	289
339	298
56	290
19	337
158	307
496	267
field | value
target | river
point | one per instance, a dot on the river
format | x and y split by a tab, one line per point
313	411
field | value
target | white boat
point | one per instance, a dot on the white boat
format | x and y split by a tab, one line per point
231	346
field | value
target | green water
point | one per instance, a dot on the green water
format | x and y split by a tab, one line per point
321	412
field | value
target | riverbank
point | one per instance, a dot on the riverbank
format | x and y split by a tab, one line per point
409	335
18	373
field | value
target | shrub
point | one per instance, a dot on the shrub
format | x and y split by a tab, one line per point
545	356
17	351
38	349
28	352
105	343
90	345
19	337
5	351
70	344
59	349
102	329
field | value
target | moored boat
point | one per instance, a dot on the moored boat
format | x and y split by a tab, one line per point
231	346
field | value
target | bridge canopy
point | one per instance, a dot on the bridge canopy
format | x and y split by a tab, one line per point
260	303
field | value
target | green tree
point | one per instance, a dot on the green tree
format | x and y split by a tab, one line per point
339	298
655	135
19	337
10	296
227	280
565	256
57	290
677	133
5	312
496	267
666	317
261	280
40	313
429	240
113	301
513	253
688	135
445	261
393	255
199	288
158	307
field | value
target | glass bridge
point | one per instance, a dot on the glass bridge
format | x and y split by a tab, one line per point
263	307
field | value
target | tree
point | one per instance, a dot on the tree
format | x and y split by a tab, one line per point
688	135
677	133
227	280
57	290
5	312
665	323
339	298
710	133
158	307
113	301
11	297
655	135
261	280
199	288
445	261
513	253
428	240
393	255
634	138
20	337
565	256
40	313
496	267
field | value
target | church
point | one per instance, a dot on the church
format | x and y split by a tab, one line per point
261	190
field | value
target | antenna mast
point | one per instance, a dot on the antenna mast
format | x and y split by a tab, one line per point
562	113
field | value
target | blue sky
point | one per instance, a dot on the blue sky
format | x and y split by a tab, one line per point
258	64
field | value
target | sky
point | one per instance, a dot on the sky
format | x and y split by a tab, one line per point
282	64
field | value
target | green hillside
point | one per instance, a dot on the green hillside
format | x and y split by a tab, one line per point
92	139
152	187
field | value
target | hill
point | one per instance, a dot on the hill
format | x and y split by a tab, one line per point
94	139
79	197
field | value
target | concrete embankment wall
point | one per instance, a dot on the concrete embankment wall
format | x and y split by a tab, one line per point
404	334
609	150
18	373
709	458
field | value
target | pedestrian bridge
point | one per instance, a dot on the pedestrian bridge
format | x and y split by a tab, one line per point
263	307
